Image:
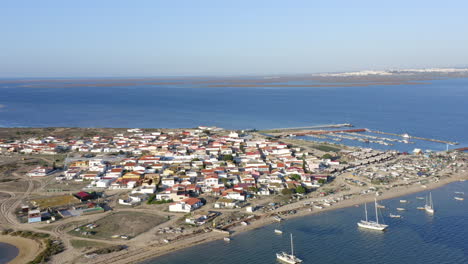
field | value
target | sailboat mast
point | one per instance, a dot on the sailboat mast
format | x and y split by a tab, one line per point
292	247
430	201
376	213
365	209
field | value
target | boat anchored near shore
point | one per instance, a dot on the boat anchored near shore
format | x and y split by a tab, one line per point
429	207
289	258
374	225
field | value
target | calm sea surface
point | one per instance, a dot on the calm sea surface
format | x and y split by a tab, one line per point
7	252
435	109
333	237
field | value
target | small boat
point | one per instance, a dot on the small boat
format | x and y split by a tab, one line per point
277	231
401	209
395	216
459	198
420	198
420	208
381	206
227	239
429	207
403	201
459	193
318	207
277	218
289	258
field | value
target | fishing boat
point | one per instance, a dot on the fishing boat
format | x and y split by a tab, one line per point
401	209
403	201
395	216
459	198
375	225
227	239
420	198
277	231
429	207
381	206
459	193
420	208
289	258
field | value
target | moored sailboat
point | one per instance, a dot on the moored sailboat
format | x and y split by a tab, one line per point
289	258
429	207
375	225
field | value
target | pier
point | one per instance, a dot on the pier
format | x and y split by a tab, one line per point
320	132
408	136
315	127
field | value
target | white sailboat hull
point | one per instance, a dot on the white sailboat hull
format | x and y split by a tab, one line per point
429	209
372	225
288	258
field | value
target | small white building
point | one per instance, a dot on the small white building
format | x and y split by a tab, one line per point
185	206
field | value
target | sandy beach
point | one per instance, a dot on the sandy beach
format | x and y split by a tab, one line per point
28	248
139	254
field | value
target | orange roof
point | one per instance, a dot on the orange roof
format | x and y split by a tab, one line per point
191	201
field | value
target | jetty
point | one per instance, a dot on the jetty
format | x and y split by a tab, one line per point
408	136
315	127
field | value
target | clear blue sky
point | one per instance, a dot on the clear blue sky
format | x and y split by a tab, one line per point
44	38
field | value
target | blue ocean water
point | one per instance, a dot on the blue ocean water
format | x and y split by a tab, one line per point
333	237
435	109
7	252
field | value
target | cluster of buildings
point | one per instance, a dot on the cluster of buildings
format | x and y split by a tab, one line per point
179	166
409	168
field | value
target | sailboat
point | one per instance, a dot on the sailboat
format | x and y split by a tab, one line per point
429	207
289	258
375	225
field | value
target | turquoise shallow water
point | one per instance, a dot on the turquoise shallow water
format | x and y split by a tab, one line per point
7	252
333	237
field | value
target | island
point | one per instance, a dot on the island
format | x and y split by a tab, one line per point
125	195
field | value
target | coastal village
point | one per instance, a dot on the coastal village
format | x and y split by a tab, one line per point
144	190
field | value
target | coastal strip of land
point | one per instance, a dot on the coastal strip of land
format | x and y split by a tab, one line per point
152	251
28	248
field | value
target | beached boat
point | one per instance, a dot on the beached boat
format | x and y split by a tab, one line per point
375	225
227	239
289	258
459	198
277	218
277	231
401	209
395	216
429	207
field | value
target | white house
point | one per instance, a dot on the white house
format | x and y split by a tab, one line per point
185	206
39	172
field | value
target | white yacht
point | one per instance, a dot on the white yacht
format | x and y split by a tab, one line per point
289	258
429	207
375	225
